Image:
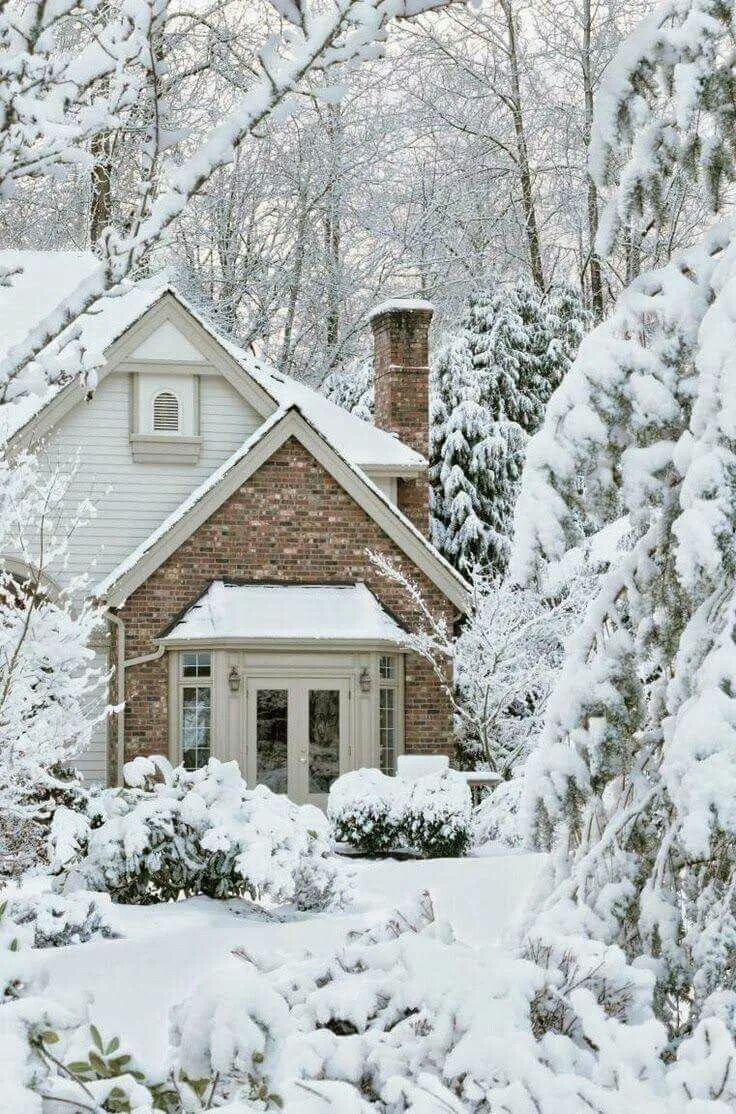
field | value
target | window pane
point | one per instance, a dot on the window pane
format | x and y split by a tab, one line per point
324	739
196	665
195	726
387	667
387	730
272	728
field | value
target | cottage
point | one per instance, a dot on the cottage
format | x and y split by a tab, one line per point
236	514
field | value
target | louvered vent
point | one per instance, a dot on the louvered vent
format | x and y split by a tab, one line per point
166	413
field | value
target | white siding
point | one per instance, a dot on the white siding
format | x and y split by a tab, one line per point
92	762
131	499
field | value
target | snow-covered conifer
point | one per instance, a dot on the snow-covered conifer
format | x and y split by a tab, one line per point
475	467
634	784
352	388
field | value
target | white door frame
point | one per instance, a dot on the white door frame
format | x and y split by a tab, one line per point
298	688
231	730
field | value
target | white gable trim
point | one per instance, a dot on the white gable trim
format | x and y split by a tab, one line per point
121	583
119	358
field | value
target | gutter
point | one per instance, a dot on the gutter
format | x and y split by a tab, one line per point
120	667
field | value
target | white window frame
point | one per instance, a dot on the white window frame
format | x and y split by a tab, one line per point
162	446
196	682
395	686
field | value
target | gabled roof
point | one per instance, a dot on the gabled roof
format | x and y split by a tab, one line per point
238	468
230	612
46	278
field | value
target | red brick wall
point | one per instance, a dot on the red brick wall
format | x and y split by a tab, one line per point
290	521
401	369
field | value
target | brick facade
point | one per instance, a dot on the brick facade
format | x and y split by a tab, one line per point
291	521
401	369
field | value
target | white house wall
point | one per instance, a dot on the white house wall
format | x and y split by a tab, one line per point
131	499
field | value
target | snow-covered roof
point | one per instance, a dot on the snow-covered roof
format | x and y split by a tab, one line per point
362	443
229	611
399	305
46	278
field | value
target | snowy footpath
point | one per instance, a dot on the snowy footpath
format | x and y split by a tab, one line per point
166	950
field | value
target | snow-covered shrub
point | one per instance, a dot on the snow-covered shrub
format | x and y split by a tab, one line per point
403	1018
49	698
366	810
56	920
232	1029
179	833
497	819
438	815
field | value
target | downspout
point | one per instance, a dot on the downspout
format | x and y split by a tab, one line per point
120	667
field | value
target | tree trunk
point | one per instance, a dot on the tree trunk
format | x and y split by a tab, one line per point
100	204
525	175
332	234
594	263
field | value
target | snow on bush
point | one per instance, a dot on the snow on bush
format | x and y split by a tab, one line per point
48	920
497	818
403	1018
400	1019
437	817
366	810
177	833
375	813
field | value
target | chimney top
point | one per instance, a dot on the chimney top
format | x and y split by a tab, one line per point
400	305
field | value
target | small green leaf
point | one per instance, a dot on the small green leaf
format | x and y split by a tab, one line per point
99	1065
95	1032
113	1046
14	945
50	1037
277	1101
78	1067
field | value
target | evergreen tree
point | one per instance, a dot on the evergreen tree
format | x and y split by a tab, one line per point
634	786
490	389
475	465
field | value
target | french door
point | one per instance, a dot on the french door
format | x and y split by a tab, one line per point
298	735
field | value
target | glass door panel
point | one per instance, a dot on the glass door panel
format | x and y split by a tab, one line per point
324	738
272	738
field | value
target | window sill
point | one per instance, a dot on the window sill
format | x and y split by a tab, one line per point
154	448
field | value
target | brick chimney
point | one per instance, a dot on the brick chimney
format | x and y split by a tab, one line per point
401	370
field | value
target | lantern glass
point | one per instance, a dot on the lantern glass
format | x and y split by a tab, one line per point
233	679
365	681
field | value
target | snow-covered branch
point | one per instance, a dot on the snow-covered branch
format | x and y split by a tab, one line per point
53	102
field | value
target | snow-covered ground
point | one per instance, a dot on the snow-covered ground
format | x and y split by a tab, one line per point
166	950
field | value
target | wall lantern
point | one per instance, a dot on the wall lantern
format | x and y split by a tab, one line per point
365	680
233	679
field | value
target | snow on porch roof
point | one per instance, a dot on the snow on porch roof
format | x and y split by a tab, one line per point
233	612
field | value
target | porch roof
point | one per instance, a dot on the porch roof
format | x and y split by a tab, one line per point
230	612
